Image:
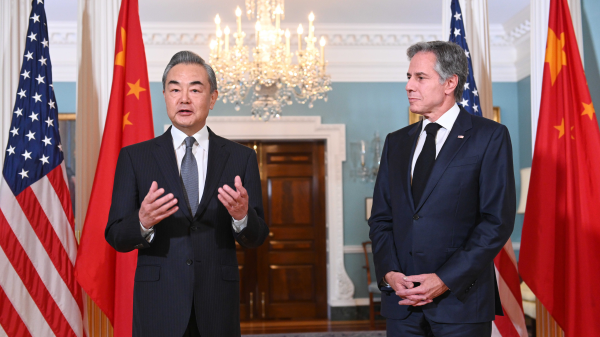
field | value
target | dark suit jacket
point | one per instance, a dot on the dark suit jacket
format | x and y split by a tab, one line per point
465	217
190	258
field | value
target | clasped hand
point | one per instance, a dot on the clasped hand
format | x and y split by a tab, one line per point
431	287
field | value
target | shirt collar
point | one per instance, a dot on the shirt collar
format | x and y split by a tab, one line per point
447	119
200	136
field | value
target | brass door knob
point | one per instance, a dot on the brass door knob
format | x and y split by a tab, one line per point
263	304
251	305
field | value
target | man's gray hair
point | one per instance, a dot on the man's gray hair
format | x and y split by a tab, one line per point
450	60
188	57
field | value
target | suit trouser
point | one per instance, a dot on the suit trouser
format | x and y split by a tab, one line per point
192	328
416	324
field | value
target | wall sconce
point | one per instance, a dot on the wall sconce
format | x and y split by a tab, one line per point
525	175
365	159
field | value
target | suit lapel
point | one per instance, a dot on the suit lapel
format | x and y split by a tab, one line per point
167	162
406	156
217	158
447	153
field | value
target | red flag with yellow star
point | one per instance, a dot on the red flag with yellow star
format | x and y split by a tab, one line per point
560	244
107	276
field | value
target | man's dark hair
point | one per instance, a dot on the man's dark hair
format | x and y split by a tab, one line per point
450	60
188	57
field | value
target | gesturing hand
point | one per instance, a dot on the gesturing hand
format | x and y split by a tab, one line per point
236	202
153	209
431	287
399	283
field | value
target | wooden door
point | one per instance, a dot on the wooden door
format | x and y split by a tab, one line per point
288	272
248	268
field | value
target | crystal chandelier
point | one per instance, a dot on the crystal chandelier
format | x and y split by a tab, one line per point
271	77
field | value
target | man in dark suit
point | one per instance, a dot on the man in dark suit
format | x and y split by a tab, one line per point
443	206
173	201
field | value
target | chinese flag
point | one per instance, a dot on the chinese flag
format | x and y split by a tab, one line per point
107	276
560	245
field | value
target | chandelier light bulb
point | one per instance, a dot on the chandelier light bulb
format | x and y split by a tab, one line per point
300	30
311	30
278	13
238	14
218	19
287	42
219	33
322	43
227	31
257	26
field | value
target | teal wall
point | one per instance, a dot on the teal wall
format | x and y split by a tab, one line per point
65	96
365	108
525	149
591	48
368	107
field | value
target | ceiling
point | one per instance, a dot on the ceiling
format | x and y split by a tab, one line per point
374	12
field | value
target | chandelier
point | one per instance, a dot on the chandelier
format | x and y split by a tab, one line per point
271	78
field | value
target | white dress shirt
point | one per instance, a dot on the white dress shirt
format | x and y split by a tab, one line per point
446	121
200	151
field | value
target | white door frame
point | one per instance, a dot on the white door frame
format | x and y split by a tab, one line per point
340	289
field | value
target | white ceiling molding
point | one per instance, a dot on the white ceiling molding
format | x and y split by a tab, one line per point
63	50
517	34
355	53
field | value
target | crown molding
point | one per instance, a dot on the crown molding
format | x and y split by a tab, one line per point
355	53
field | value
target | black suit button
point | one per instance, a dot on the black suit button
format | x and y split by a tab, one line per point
416	217
189	262
410	253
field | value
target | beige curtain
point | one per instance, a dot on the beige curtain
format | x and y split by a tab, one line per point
14	18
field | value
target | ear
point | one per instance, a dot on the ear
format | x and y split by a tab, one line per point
213	98
451	84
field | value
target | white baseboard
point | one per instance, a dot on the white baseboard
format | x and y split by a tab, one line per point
353	249
355	302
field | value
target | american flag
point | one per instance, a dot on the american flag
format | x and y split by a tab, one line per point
39	295
470	98
512	324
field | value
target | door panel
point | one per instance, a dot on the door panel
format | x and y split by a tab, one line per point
294	283
290	201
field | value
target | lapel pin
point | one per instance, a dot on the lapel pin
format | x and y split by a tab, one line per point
461	136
